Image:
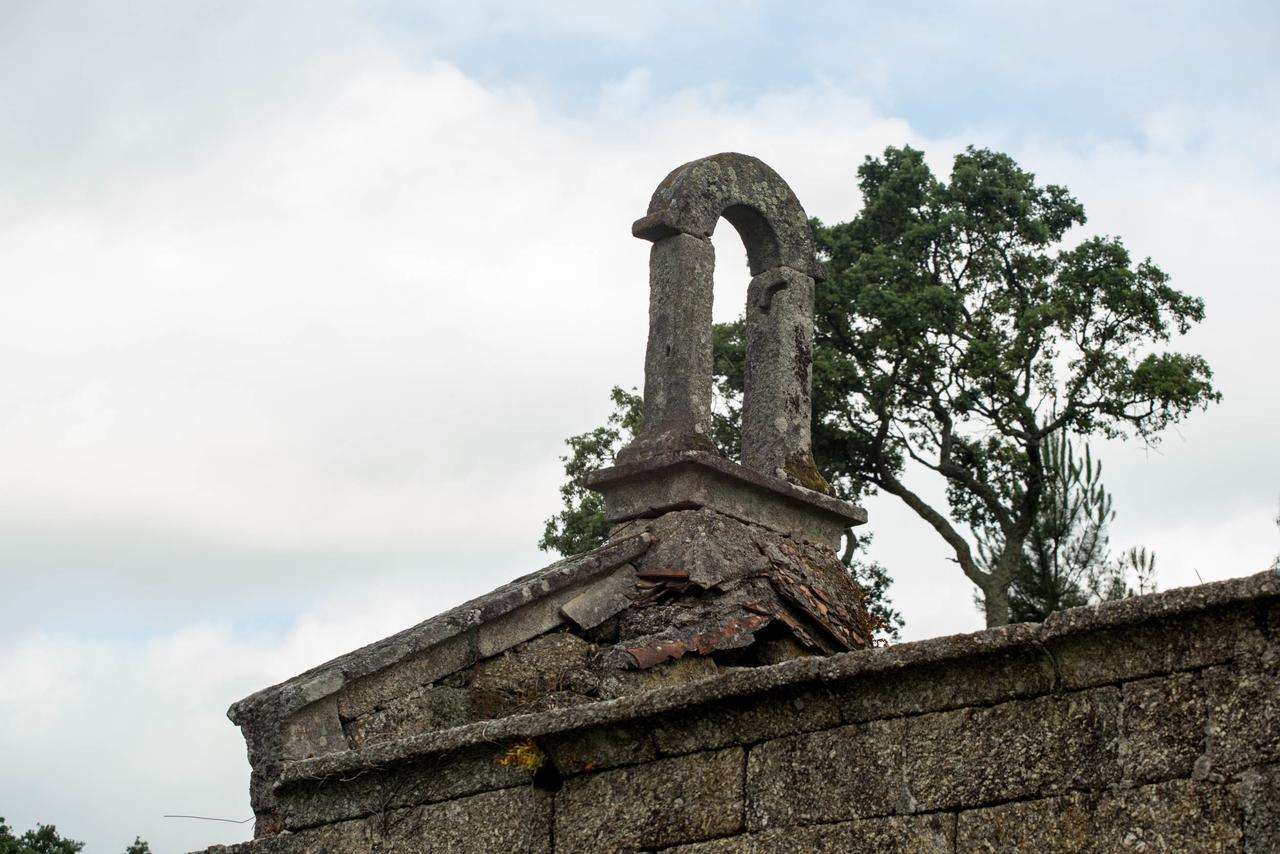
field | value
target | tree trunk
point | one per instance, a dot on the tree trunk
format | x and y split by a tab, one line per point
995	602
995	592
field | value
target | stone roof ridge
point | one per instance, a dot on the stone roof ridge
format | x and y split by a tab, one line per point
328	678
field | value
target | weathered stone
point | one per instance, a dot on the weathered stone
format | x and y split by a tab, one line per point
602	599
1048	826
1162	727
672	463
1019	749
1131	651
683	671
1244	717
362	696
520	679
348	837
757	202
600	748
922	834
976	676
313	731
681	480
711	547
677	363
508	820
1172	816
538	617
747	720
776	408
686	799
1175	816
849	772
311	802
424	710
1258	794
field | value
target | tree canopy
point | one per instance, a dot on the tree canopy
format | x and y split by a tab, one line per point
45	839
957	332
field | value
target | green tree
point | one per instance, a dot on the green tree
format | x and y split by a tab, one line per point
1067	544
957	333
580	526
1066	560
43	840
46	840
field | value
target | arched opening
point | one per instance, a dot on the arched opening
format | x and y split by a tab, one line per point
732	276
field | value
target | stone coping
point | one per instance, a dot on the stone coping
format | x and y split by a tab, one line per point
760	680
652	466
328	678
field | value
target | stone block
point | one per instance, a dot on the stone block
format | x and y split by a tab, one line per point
1162	727
850	772
376	690
1244	717
600	748
1258	794
518	679
314	730
509	820
668	802
1021	749
684	480
423	710
746	720
1047	826
538	617
1179	815
916	834
348	837
983	679
309	803
602	599
1120	653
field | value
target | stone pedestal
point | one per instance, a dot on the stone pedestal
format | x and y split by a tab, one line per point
693	480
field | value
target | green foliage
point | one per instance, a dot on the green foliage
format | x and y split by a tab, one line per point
1067	544
1132	574
1066	560
874	580
43	840
581	526
955	332
46	840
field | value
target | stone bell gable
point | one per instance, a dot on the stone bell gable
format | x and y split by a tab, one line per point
706	681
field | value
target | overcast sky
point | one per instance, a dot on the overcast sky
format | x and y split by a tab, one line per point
298	302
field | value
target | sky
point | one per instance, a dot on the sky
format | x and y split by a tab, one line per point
298	302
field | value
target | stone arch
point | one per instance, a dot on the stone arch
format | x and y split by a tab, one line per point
683	213
750	195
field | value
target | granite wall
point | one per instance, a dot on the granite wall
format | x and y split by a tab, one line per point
1151	724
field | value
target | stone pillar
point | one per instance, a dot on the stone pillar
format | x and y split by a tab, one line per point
677	364
776	407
